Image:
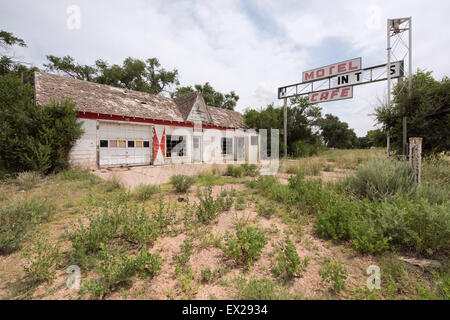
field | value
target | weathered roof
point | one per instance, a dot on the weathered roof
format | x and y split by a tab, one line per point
186	102
98	98
226	118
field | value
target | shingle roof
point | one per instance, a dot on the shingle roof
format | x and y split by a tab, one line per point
104	99
99	98
226	118
186	102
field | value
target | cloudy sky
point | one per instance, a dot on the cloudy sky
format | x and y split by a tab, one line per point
252	47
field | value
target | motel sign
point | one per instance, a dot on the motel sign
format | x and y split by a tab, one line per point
336	81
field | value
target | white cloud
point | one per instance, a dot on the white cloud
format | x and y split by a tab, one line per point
221	42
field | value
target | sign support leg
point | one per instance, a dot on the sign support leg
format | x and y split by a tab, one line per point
285	127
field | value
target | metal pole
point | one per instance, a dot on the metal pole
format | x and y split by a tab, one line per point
405	132
285	127
388	80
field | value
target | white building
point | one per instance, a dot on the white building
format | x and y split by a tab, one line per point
129	128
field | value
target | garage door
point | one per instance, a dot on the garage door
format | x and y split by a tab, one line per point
124	144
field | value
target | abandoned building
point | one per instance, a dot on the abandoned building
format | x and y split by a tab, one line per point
129	128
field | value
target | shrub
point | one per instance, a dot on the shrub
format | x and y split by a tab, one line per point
264	183
415	224
43	136
19	219
138	226
245	246
185	253
367	238
334	274
27	180
206	275
113	183
234	171
145	191
266	209
181	182
289	263
116	270
259	290
382	180
208	207
41	267
336	218
303	149
250	170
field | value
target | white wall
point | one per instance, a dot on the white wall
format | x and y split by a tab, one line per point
84	152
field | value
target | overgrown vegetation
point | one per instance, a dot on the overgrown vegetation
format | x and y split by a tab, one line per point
289	264
245	246
181	182
333	274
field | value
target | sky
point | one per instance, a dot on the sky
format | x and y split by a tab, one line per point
252	47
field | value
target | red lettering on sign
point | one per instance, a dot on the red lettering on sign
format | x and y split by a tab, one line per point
330	71
342	67
324	96
320	73
309	76
351	67
334	93
345	92
313	97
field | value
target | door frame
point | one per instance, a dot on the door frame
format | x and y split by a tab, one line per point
200	147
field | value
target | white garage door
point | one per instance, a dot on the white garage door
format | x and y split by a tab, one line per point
124	144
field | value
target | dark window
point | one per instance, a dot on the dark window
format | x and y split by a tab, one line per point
254	140
130	144
175	145
146	144
103	143
227	145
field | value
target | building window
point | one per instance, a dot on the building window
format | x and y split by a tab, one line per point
138	144
146	144
227	145
121	143
254	140
130	144
113	143
175	146
103	143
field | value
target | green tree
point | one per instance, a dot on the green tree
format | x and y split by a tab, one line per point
134	74
427	112
377	138
302	117
33	137
212	97
336	133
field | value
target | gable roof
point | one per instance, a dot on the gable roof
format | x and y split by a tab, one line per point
103	99
186	102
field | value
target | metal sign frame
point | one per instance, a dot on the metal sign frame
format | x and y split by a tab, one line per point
305	88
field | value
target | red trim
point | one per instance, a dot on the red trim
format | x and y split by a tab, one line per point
100	116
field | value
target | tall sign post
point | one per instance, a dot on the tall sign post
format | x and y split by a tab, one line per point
396	46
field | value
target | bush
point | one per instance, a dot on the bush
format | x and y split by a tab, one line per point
34	138
145	191
266	209
138	226
367	238
186	250
382	180
333	274
245	246
18	220
303	149
181	182
415	224
41	267
113	183
335	220
208	207
250	170
235	171
116	270
27	180
206	275
259	290
289	263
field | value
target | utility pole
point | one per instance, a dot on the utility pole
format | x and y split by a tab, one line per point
388	142
285	127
